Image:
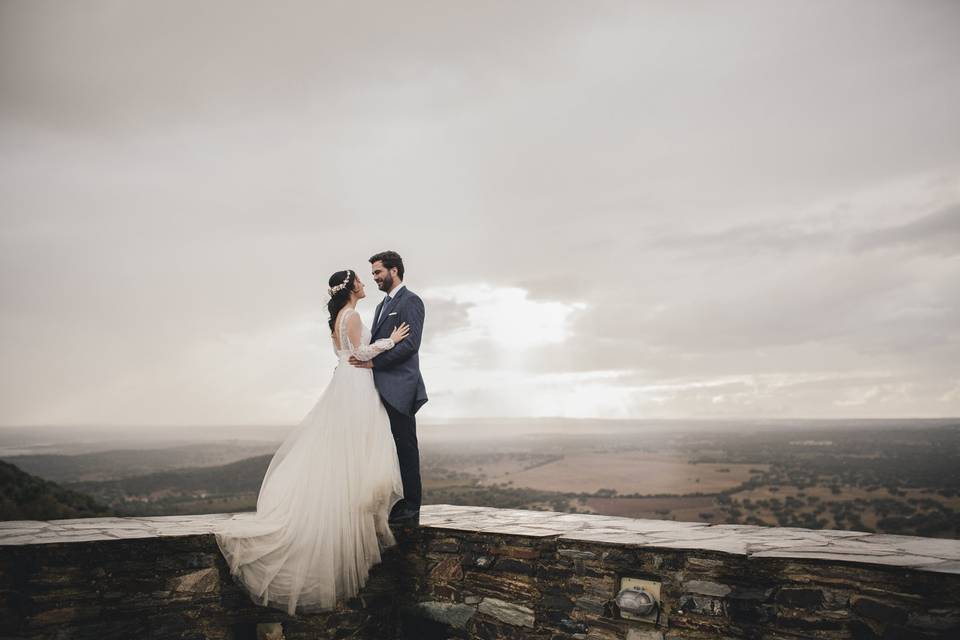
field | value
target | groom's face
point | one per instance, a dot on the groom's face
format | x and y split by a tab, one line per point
382	277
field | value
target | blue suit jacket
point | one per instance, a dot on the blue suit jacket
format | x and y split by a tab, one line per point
397	372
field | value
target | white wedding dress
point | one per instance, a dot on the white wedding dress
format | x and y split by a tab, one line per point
321	518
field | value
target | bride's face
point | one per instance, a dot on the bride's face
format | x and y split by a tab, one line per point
358	292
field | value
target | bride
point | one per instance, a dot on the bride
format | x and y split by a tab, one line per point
321	518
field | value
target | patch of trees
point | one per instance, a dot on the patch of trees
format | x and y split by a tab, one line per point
27	497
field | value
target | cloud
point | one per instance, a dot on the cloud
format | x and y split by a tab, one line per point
938	232
617	210
757	237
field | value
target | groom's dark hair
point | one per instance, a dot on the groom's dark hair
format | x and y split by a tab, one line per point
390	259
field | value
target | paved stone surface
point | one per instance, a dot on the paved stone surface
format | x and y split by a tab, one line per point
926	554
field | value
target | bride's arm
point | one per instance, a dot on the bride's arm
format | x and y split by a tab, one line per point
364	352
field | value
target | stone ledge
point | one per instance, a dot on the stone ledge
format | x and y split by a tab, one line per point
478	573
908	552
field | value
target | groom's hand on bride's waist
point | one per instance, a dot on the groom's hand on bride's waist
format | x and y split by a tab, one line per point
363	364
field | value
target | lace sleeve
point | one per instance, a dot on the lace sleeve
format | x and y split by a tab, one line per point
354	339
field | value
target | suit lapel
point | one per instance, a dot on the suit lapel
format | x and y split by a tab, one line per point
382	313
376	319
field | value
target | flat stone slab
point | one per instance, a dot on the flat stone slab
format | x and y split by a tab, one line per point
924	554
19	532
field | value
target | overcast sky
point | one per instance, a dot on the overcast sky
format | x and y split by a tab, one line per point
636	209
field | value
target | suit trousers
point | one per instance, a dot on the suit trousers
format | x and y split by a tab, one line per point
404	429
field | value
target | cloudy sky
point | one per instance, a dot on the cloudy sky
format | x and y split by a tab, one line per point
611	209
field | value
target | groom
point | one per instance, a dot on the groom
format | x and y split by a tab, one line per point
396	374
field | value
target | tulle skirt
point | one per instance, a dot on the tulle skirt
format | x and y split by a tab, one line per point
321	518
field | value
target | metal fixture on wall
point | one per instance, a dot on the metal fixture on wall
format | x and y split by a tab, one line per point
638	599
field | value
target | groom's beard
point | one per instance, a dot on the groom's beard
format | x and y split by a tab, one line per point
387	284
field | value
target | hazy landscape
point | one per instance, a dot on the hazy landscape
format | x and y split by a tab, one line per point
890	476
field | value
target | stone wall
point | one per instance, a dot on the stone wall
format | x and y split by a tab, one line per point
160	577
474	572
491	573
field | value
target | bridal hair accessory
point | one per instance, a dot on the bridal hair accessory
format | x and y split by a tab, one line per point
342	285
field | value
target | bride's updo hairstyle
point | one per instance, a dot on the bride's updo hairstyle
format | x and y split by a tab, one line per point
341	286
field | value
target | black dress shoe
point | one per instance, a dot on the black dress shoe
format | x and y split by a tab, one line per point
405	518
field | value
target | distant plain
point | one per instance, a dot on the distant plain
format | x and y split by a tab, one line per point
872	475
